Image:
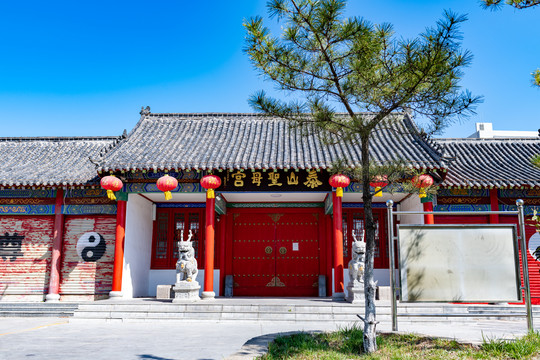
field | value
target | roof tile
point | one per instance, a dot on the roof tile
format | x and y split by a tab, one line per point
492	162
51	161
212	141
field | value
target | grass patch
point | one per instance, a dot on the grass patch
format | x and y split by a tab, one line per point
523	348
346	344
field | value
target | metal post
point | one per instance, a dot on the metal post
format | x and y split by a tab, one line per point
389	209
523	246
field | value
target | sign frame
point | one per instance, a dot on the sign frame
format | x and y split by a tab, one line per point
464	283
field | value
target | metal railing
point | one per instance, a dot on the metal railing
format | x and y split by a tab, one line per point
522	245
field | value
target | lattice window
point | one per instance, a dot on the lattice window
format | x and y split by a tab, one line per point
345	238
162	232
179	226
359	228
194	225
170	223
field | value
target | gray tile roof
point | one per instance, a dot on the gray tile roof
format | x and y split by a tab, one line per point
492	162
51	161
252	141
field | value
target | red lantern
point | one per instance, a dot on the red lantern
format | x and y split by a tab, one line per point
339	181
210	182
422	182
379	181
111	183
166	184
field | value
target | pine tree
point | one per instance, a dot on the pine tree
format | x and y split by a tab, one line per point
338	68
518	4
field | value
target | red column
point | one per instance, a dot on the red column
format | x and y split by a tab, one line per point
54	279
339	291
119	248
222	254
429	218
208	292
494	202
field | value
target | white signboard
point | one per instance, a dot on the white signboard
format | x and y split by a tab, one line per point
459	263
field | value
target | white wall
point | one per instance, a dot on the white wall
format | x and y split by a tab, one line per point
137	247
412	203
168	277
485	131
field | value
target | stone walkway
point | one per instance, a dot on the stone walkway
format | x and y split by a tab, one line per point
57	338
71	338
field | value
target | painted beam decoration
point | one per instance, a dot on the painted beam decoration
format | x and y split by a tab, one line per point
519	193
147	187
463	192
27	193
26	209
278	181
150	176
89	209
463	207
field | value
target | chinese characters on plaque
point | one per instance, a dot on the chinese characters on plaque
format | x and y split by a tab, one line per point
281	180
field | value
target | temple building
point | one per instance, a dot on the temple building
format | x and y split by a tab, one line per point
274	219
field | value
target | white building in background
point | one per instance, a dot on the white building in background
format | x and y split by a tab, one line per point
485	131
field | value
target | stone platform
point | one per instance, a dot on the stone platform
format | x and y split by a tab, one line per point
292	310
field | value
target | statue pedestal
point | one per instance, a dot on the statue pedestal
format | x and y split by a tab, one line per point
186	291
355	294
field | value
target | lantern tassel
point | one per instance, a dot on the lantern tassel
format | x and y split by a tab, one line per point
168	195
210	194
339	192
422	193
110	195
378	192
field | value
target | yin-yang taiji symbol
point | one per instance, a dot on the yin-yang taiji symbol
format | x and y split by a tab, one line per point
91	246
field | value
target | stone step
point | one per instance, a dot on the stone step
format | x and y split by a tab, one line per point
224	308
231	310
37	309
36	313
336	312
229	317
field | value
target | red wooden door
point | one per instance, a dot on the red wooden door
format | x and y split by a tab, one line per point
297	257
254	255
276	254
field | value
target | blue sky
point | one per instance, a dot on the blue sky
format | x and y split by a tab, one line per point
72	68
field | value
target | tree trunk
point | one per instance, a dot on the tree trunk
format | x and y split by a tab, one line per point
370	323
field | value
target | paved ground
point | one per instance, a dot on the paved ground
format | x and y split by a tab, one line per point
60	338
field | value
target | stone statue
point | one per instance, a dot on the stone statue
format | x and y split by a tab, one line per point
356	265
355	288
186	266
186	287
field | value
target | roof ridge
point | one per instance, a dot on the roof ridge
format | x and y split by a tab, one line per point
436	149
64	138
489	139
253	114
